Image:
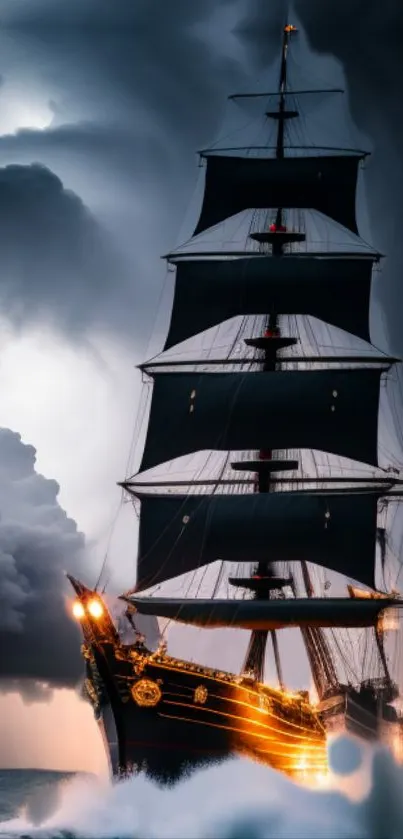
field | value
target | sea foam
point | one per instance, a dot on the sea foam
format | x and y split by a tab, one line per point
237	800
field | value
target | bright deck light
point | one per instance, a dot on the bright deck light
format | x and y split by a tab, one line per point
78	610
95	608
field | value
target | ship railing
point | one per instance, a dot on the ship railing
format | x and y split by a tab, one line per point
160	657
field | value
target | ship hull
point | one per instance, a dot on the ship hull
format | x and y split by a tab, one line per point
166	717
358	714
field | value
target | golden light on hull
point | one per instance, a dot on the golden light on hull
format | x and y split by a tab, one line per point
293	742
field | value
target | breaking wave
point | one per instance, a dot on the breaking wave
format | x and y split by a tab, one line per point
239	800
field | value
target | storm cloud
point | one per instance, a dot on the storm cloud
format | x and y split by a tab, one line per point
134	89
38	639
58	265
368	39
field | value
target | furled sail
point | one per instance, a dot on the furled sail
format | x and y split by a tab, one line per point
331	410
323	183
267	614
181	533
209	291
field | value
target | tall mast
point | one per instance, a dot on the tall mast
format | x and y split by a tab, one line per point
319	655
255	656
318	652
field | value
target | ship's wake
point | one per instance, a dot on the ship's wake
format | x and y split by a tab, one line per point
239	799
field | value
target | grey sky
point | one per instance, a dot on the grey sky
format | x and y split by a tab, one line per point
133	94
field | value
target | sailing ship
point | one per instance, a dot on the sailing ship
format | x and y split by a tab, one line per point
299	491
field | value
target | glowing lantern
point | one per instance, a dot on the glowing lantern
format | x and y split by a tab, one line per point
78	610
95	609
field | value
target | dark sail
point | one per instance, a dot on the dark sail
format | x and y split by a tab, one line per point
327	184
330	410
180	533
209	291
266	614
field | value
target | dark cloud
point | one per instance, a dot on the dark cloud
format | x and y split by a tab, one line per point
260	28
38	542
149	63
57	263
145	84
101	14
135	89
368	39
110	141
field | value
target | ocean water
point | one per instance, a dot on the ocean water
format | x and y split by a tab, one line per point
33	791
237	800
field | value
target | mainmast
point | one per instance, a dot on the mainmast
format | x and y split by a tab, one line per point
318	652
255	656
